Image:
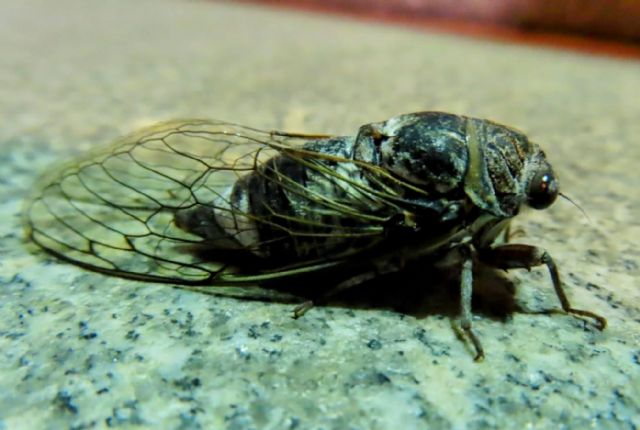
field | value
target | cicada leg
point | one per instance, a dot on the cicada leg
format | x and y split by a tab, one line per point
380	268
509	233
466	290
302	308
517	256
305	306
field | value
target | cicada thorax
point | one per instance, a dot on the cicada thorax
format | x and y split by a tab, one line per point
449	156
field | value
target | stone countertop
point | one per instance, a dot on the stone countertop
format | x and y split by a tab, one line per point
83	350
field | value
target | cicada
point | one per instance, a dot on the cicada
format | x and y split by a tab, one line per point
203	202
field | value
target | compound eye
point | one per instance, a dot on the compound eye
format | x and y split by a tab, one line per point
543	190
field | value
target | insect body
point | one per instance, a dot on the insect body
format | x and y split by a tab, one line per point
211	203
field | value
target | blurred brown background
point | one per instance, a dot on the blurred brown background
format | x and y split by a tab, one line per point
613	20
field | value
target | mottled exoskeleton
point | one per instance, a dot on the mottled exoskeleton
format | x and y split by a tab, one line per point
211	203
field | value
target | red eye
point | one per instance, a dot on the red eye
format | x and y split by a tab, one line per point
543	190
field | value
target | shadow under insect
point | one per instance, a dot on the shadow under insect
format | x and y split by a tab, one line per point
423	291
418	290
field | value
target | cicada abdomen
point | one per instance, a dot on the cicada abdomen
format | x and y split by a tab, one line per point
303	204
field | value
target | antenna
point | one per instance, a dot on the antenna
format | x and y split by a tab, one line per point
564	196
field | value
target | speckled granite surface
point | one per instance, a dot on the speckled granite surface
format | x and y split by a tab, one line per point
82	350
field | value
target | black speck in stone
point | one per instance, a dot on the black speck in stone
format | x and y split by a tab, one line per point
187	383
253	332
90	362
382	378
374	344
132	335
276	338
591	286
64	401
618	394
294	423
513	358
84	331
102	391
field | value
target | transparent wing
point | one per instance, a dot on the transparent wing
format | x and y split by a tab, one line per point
113	210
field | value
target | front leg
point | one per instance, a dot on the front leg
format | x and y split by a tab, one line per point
517	256
466	290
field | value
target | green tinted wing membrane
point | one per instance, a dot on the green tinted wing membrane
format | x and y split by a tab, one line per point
113	209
